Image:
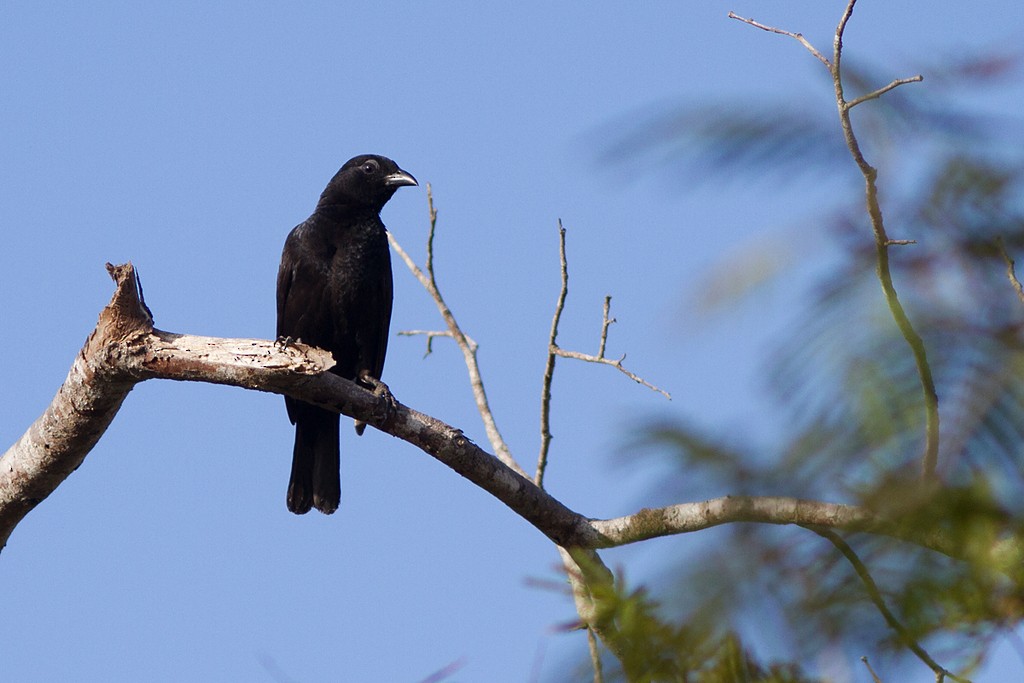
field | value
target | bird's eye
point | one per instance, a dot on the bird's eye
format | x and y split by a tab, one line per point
370	167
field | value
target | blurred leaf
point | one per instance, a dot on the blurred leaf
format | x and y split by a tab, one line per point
655	649
849	389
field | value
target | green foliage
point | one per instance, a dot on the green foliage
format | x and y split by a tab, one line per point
847	385
653	649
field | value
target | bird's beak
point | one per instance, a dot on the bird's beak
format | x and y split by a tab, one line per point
399	179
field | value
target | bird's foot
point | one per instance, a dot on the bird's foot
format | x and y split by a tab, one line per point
285	342
387	401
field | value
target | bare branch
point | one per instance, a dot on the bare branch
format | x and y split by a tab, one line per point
595	567
466	345
605	324
430	334
1011	272
690	517
125	349
881	91
796	36
606	321
549	365
874	676
929	460
595	656
108	366
875	596
554	351
615	363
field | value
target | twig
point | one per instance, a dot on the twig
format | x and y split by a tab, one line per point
549	365
1011	273
430	334
554	351
876	597
796	36
615	363
595	656
466	345
605	323
881	91
929	460
595	570
913	339
874	676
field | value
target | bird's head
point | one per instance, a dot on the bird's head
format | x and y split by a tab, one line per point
367	181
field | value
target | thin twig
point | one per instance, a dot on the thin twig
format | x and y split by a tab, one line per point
881	91
605	322
874	676
931	400
597	569
875	596
549	365
554	351
466	345
929	460
595	656
430	334
796	36
1011	272
615	363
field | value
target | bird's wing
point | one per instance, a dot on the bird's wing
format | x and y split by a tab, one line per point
285	275
387	298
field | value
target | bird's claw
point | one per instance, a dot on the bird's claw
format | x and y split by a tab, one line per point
387	402
285	342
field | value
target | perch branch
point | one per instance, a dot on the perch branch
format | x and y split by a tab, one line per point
125	349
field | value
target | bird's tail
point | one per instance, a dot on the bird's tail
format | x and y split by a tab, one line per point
316	459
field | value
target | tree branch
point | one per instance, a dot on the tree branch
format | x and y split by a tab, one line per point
466	345
86	403
929	460
549	365
796	36
1011	272
881	91
875	595
430	335
125	349
554	351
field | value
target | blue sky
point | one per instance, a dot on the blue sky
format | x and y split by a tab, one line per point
190	138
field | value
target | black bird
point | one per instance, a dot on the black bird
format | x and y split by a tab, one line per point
334	291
